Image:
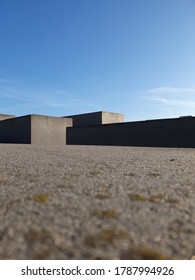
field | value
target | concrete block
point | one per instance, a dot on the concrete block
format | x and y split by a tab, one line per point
46	130
154	133
96	118
5	117
34	129
16	130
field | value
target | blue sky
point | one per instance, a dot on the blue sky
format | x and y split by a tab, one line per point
63	57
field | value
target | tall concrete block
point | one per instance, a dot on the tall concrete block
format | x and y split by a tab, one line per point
5	117
96	118
34	129
46	130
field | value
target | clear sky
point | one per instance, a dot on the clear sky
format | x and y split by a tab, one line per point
63	57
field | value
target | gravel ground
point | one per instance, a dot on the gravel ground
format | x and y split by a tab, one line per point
87	202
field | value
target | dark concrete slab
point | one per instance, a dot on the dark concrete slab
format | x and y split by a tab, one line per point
178	132
16	130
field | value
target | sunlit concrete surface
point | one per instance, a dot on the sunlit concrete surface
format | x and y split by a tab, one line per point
5	117
96	118
87	202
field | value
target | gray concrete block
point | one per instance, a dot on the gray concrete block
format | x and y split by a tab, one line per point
95	129
34	129
5	117
154	133
108	117
46	130
96	118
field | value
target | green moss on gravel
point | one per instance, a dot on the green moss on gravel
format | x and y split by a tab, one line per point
106	214
106	237
143	253
3	182
40	197
102	196
152	198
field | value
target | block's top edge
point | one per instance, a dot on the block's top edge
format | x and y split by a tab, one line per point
91	113
38	115
45	116
185	119
6	115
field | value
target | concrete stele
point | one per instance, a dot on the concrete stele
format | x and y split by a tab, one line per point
96	118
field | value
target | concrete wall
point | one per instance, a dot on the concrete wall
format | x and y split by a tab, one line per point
16	130
34	129
155	133
47	130
108	117
96	118
5	117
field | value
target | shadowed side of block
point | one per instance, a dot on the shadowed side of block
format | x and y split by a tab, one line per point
16	130
178	132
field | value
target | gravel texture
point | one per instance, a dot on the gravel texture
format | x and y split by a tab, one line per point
87	202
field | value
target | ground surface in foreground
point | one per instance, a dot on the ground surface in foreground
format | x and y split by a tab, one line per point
86	202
